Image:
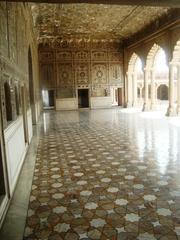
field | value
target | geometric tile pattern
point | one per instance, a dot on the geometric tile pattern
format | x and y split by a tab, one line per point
105	175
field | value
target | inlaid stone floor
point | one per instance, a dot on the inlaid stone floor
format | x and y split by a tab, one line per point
106	174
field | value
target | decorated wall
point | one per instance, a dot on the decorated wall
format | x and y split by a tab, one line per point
67	65
19	110
16	40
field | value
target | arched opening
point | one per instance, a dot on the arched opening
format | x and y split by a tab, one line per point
162	92
158	76
140	80
31	87
135	81
8	105
161	78
17	100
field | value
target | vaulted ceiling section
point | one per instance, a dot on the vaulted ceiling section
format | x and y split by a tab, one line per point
115	22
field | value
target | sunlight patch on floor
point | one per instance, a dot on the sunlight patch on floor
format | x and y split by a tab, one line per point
175	121
131	110
153	115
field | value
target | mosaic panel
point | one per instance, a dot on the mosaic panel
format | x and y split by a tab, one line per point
105	175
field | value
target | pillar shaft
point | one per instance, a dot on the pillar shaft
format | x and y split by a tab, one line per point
153	90
178	90
129	78
171	108
146	94
134	89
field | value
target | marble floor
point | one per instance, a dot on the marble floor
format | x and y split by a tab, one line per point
106	174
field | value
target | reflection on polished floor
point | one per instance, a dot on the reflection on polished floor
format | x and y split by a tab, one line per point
106	174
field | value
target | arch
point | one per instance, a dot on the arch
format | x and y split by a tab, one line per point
176	53
135	77
152	55
132	62
8	105
162	92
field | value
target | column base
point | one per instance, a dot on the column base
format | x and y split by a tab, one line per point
178	111
134	104
129	105
153	107
171	112
145	107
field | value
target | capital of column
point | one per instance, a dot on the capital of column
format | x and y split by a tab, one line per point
171	111
174	64
147	69
128	74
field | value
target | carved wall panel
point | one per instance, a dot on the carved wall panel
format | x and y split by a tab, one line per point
82	55
12	31
99	74
65	92
99	56
115	73
47	57
79	64
115	56
64	55
82	73
15	26
65	74
99	91
3	30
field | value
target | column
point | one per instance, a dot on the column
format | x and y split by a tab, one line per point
153	90
140	95
129	87
171	108
146	98
178	90
134	89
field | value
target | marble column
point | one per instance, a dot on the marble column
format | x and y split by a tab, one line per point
153	91
171	109
178	90
129	87
134	89
146	90
140	95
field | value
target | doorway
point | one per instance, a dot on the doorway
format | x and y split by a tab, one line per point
117	96
120	96
83	98
48	99
114	96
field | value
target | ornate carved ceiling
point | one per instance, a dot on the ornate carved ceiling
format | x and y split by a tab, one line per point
91	21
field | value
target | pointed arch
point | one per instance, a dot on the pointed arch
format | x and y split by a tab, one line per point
152	55
134	80
176	53
132	62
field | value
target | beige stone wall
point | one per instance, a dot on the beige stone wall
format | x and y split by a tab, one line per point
16	37
68	65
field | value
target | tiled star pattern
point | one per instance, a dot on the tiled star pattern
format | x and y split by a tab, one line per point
93	180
